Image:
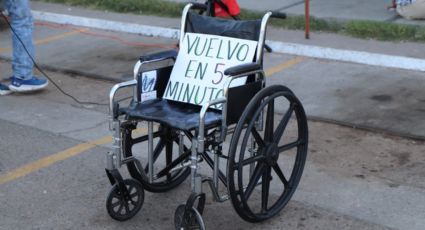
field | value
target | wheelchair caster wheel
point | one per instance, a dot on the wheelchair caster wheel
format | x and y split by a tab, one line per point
192	219
124	202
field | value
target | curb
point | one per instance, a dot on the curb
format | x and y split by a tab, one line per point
359	57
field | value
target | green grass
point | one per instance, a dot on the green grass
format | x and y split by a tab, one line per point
385	31
361	29
147	7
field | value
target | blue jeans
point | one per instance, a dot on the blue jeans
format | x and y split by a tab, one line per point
22	23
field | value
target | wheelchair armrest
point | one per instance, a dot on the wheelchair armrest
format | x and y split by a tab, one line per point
168	54
113	106
244	68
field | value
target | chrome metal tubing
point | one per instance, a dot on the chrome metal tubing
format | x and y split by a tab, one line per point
114	90
180	166
110	161
204	109
181	143
214	191
183	21
113	159
194	165
150	151
136	69
260	73
262	39
216	169
138	66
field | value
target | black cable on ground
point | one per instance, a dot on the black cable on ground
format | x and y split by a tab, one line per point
44	74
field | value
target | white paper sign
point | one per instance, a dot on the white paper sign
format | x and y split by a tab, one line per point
148	81
148	96
197	76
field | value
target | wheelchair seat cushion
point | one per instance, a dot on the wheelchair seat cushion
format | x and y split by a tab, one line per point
177	115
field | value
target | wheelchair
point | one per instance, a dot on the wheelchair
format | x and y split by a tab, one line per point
258	170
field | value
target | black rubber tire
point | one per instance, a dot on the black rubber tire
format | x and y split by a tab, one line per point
266	161
131	203
193	221
174	180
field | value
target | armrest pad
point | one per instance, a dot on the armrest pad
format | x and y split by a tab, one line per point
240	69
160	55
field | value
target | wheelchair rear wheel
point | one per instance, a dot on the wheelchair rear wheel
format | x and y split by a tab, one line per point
259	154
166	157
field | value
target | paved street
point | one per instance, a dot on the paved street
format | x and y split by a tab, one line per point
354	179
366	160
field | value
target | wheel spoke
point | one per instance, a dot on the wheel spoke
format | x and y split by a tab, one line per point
265	184
130	189
177	161
127	208
258	138
258	171
136	194
134	203
289	146
114	205
283	123
268	133
253	159
280	174
158	149
120	208
117	196
168	156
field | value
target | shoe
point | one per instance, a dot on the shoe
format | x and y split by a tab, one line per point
4	90
33	84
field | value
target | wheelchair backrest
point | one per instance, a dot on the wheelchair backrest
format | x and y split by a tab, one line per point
249	30
208	46
244	33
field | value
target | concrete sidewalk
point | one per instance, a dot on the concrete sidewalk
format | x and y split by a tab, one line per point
141	24
408	49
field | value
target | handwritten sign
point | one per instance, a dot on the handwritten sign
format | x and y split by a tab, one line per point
148	81
197	76
147	88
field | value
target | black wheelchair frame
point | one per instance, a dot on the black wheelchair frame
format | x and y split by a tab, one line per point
249	119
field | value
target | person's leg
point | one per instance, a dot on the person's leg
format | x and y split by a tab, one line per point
22	43
21	21
415	10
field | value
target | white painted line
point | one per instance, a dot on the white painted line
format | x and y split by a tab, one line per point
133	28
359	57
373	59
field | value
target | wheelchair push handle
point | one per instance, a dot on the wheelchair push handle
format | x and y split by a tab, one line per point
279	15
